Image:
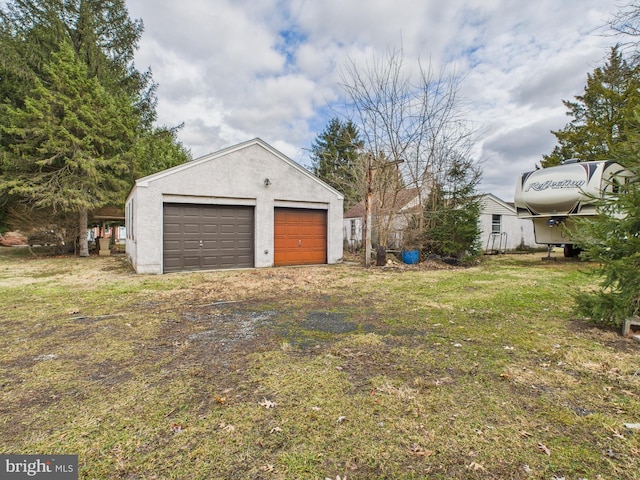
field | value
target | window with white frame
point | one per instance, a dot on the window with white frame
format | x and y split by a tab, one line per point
496	223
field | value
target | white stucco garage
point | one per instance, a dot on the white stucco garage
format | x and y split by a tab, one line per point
244	206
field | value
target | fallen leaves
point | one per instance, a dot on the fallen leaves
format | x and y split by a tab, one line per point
227	428
420	451
476	467
543	448
267	403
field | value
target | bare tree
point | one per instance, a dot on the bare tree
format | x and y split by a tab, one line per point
625	24
413	118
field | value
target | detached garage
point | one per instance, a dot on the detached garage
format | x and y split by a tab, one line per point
244	206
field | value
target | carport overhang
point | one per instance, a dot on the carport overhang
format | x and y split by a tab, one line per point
107	214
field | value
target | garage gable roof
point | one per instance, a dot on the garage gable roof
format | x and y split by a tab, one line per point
144	181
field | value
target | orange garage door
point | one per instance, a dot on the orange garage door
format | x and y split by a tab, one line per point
300	236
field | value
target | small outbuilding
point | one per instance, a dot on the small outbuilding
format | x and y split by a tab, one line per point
500	228
241	207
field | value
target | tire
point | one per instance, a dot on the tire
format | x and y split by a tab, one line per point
570	251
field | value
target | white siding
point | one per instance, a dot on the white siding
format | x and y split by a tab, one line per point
516	232
352	236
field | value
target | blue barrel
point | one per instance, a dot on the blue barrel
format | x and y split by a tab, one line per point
410	257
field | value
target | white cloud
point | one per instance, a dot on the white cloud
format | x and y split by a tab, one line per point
233	70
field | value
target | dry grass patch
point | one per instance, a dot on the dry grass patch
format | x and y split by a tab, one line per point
296	373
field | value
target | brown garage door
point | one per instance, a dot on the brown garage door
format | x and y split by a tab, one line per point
205	237
300	236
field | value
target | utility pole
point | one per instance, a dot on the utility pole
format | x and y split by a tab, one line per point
368	198
368	201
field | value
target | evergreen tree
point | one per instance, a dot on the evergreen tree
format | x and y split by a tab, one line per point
334	155
451	213
101	33
599	115
612	240
69	145
91	43
158	149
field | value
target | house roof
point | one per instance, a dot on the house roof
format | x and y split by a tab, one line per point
403	204
508	205
144	181
407	195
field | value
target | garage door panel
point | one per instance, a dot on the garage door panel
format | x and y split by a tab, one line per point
210	229
173	261
200	237
227	245
300	236
210	262
228	229
172	227
172	245
191	263
190	228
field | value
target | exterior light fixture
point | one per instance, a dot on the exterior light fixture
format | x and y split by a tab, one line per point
267	182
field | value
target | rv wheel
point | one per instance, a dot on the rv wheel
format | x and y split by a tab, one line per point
570	251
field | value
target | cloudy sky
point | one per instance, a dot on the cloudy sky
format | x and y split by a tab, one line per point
233	70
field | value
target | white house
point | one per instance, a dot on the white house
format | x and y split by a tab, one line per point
244	206
501	229
406	202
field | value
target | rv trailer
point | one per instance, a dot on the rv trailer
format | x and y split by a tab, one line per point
554	197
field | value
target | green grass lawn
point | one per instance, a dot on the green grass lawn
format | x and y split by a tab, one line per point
314	372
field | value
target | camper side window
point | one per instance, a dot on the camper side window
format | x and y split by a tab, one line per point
496	223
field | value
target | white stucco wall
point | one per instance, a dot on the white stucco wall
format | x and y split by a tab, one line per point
233	176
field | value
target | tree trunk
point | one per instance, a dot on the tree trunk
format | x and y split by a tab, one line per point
83	243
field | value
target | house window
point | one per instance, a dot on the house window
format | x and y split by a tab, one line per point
353	229
129	221
496	223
